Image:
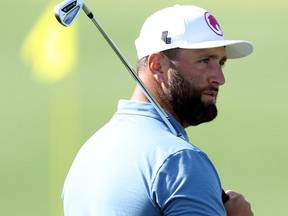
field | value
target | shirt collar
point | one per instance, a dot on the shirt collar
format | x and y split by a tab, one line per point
145	108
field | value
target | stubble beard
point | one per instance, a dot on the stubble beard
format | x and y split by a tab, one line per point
185	99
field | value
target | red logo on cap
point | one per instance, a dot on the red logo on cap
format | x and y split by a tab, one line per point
213	24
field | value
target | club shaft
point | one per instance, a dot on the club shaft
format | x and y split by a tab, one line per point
156	105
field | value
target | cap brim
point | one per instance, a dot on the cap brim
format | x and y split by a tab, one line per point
234	48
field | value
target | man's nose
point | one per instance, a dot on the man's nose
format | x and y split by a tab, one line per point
217	77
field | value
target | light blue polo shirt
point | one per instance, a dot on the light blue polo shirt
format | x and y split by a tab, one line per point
134	166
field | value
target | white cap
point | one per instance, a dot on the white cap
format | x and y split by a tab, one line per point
188	27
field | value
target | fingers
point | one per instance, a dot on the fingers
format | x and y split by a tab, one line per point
237	205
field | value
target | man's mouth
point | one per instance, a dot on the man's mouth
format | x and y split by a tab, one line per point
212	91
210	95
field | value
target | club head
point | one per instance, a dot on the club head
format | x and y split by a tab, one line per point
67	11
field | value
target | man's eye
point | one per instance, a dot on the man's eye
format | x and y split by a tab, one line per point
222	64
205	60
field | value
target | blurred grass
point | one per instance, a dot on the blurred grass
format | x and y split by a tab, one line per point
44	125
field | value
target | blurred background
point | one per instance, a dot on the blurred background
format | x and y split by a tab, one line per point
59	85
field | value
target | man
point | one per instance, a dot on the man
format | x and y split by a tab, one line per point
135	165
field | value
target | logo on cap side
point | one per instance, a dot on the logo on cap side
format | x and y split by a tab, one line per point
165	38
213	24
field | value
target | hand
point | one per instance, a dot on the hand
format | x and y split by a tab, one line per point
237	205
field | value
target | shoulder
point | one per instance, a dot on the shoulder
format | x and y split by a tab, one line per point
189	164
188	181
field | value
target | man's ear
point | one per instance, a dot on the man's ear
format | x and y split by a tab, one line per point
155	66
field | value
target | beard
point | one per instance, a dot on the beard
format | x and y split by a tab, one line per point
186	101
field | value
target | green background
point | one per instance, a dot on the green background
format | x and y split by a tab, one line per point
43	125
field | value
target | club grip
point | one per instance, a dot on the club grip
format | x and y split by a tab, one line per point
225	197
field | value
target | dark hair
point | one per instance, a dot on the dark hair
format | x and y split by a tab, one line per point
172	55
142	63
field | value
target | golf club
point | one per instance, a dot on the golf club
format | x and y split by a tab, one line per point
67	11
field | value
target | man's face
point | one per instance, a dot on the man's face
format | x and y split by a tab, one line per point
193	83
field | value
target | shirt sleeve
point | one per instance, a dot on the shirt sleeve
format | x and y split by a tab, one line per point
187	184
